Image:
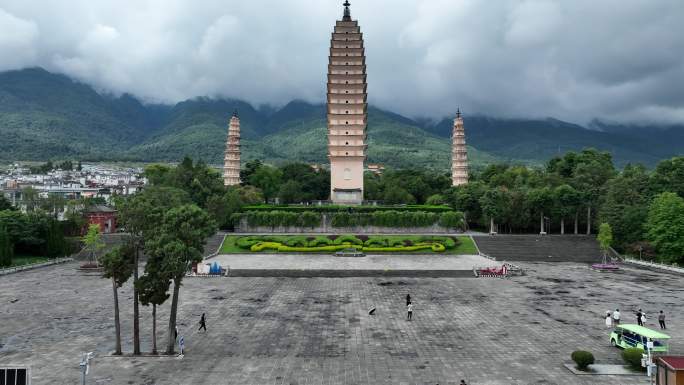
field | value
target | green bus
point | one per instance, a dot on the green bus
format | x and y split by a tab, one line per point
635	336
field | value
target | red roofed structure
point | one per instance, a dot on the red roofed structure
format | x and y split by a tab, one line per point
670	370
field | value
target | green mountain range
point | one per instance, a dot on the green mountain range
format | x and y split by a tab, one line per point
47	116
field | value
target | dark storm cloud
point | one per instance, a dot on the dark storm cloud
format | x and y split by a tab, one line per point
576	60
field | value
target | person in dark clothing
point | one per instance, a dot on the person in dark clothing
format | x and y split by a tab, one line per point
661	320
639	320
408	299
203	323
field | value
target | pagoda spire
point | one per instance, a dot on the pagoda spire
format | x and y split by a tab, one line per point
347	12
231	158
459	153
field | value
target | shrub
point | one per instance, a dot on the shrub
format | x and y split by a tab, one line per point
436	199
451	219
583	359
347	239
297	241
393	242
247	242
319	241
309	219
632	357
376	242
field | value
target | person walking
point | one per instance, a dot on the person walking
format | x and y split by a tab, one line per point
408	299
410	311
203	323
640	321
661	320
616	317
609	320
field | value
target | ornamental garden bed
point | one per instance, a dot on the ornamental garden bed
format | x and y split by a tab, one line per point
329	244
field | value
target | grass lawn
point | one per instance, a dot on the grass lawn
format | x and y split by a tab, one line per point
465	246
25	260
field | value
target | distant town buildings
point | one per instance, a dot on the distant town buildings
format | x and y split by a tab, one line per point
459	155
346	111
231	159
92	181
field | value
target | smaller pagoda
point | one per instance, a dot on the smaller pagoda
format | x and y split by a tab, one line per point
459	154
231	160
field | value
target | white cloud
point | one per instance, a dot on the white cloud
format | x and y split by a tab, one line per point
574	60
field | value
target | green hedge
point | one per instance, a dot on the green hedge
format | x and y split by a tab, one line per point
389	218
258	243
632	357
337	208
583	359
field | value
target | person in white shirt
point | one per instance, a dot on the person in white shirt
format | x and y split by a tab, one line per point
609	320
410	311
616	317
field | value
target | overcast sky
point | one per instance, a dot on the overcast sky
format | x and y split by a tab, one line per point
571	59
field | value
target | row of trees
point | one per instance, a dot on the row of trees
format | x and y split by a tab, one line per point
585	189
167	226
30	234
66	165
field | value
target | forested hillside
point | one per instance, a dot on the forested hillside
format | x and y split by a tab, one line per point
45	116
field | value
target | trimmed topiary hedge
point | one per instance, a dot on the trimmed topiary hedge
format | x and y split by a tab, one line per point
632	357
356	209
350	239
583	359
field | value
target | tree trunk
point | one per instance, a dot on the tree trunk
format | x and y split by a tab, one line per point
588	220
117	325
541	222
491	225
562	226
154	329
172	318
576	222
136	310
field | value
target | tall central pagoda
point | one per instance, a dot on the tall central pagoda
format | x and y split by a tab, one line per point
347	111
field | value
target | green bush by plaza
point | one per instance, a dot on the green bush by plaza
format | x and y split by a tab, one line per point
632	357
332	243
583	359
310	219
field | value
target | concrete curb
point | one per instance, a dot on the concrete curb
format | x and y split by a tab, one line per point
16	269
332	273
654	265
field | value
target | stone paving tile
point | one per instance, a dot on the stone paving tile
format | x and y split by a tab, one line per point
317	330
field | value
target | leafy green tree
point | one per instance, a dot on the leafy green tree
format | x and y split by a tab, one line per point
592	171
436	199
291	192
494	204
141	215
6	247
55	244
157	174
567	201
153	290
669	176
117	264
93	242
250	195
451	220
30	198
53	204
222	208
398	195
625	205
466	198
250	168
605	237
665	226
267	179
540	200
178	243
5	204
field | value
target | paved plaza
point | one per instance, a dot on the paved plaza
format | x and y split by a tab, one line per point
318	331
370	262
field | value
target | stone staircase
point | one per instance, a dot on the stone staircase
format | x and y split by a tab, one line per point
540	248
